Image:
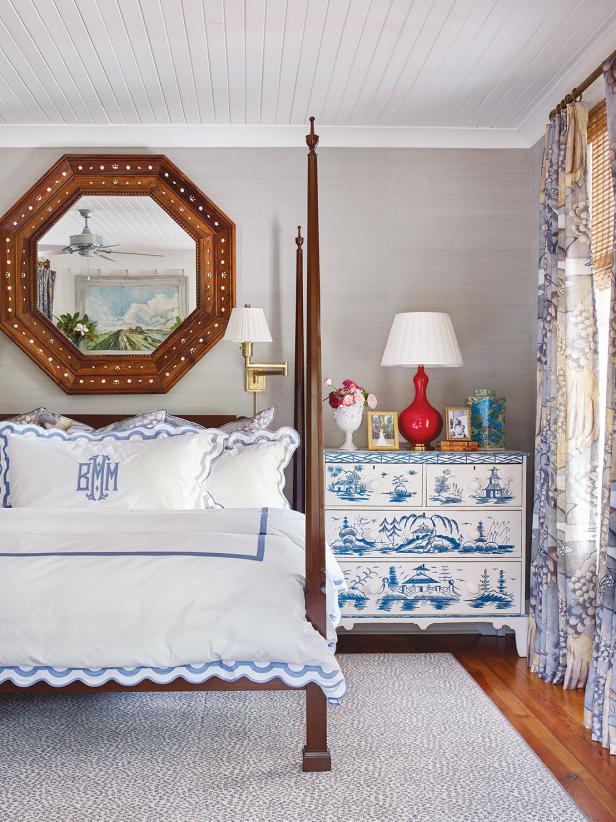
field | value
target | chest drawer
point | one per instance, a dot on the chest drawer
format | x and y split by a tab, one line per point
432	533
494	485
447	588
373	485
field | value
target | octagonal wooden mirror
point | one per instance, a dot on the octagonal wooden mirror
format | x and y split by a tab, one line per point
118	274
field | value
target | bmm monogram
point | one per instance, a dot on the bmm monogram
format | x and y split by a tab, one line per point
98	476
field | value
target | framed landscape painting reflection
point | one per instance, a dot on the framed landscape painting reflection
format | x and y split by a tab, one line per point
382	430
133	313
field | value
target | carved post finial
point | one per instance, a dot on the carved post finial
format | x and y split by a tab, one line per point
312	139
299	239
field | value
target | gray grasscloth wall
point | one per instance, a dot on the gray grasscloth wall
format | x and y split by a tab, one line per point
401	229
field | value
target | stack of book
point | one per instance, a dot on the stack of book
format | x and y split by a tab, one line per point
458	445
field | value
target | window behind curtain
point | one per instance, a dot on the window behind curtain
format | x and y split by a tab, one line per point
601	196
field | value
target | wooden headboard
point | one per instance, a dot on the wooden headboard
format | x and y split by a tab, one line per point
99	420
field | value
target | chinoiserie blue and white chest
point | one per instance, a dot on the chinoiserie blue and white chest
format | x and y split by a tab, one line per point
425	537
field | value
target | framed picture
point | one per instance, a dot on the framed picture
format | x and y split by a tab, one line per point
458	422
135	313
382	430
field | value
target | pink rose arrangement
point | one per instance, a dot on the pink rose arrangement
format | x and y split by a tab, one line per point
349	393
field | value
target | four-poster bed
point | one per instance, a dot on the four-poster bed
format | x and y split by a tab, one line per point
307	495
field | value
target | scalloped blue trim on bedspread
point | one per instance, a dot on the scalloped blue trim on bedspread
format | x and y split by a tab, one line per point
295	676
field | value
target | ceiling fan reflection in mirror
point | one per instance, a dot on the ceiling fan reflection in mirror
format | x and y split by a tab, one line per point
89	244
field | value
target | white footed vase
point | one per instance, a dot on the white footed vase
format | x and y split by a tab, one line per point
349	419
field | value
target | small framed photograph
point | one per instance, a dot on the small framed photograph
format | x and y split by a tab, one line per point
382	430
458	422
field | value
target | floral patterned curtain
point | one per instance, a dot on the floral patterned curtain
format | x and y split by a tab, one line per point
45	282
600	699
563	567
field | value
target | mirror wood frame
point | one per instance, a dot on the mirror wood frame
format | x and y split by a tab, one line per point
44	204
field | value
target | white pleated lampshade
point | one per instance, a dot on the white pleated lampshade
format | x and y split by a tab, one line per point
248	324
422	338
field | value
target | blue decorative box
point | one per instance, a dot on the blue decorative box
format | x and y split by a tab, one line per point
487	418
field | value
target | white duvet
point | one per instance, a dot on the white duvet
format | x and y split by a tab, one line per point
157	589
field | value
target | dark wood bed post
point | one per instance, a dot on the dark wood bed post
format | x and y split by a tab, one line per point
316	756
299	410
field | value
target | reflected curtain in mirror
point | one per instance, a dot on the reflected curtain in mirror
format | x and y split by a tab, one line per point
45	287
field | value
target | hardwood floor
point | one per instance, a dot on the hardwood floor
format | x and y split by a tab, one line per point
549	718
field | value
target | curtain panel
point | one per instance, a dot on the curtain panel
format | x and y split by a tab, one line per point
565	511
600	697
45	287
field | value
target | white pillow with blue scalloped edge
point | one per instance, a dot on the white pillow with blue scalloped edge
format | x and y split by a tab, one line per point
142	469
249	473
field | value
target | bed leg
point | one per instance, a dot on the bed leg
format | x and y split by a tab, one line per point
315	755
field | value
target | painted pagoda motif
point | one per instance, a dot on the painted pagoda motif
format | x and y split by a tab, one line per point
422	586
428	588
420	533
494	490
452	487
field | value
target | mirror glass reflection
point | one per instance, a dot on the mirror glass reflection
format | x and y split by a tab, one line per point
116	274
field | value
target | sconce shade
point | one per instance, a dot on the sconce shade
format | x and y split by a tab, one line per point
422	338
248	324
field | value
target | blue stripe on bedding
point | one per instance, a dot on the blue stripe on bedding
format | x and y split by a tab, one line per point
257	557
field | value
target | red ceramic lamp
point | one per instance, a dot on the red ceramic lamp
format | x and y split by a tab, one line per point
421	338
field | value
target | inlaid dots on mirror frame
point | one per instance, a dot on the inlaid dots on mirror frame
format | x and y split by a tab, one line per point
39	208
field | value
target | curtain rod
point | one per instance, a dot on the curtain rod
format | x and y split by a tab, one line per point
576	92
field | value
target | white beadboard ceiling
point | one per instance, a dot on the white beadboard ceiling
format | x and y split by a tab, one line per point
134	223
250	72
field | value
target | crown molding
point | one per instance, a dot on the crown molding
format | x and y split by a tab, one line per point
253	136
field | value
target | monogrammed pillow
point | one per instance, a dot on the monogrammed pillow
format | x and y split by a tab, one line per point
161	468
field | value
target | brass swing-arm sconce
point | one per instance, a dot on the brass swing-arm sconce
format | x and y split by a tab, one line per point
256	372
247	326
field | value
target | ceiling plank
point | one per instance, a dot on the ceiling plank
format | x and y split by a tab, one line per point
295	29
13	109
462	87
82	41
352	32
129	16
38	47
253	59
235	27
275	21
411	90
372	30
178	58
335	20
194	22
398	33
55	31
584	30
217	50
179	100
